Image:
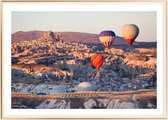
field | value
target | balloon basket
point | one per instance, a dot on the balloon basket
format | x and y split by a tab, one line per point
97	74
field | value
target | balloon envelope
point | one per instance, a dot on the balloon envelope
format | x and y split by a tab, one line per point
97	60
85	86
130	32
107	38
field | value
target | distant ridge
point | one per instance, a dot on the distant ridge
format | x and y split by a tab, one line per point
67	36
74	37
30	35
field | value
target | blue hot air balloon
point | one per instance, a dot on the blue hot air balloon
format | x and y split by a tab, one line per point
107	38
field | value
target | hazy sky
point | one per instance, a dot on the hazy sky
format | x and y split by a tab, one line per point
88	22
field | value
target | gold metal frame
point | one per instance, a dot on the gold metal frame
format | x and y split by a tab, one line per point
165	94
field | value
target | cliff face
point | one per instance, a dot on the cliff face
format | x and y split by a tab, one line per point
118	100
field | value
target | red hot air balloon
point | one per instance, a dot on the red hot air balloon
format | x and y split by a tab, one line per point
97	60
130	32
107	38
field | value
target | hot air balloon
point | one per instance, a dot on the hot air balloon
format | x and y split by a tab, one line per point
85	86
97	60
107	38
130	32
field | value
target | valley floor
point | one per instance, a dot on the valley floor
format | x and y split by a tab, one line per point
44	68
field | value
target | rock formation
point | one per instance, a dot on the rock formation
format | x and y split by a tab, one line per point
68	64
48	36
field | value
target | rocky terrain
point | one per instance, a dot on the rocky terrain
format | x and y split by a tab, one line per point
47	64
79	37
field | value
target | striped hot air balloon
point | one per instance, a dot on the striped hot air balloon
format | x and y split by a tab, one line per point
97	60
130	32
107	38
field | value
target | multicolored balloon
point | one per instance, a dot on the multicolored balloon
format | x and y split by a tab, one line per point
97	60
107	38
130	32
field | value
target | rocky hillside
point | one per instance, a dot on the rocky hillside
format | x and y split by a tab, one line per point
47	65
62	63
20	35
74	37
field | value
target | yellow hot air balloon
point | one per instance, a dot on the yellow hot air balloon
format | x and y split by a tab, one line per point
130	32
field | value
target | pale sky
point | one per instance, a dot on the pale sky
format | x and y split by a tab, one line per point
88	22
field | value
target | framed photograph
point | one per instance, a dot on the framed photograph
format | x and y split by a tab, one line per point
84	60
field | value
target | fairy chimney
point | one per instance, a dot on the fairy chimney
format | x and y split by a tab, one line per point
49	36
59	37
